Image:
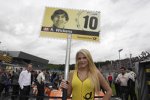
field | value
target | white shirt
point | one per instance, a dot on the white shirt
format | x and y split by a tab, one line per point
132	75
24	79
123	79
41	77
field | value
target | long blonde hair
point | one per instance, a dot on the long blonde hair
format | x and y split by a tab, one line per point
93	71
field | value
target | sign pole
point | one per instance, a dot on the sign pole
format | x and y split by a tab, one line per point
67	61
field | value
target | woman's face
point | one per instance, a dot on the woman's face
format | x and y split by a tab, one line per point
82	61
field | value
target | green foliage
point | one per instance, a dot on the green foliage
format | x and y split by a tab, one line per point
56	67
59	67
100	64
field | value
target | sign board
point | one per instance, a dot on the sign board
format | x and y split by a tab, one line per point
82	24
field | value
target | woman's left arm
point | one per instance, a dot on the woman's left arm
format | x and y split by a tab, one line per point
106	87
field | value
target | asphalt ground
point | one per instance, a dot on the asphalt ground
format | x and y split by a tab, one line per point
31	97
8	97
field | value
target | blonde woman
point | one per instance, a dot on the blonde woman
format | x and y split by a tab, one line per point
85	81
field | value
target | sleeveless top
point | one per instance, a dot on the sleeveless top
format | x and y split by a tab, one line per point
82	90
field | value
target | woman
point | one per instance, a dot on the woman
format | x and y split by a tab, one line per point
84	82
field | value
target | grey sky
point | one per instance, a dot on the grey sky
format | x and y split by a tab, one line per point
124	25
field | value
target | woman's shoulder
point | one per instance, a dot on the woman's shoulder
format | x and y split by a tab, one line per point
71	73
98	72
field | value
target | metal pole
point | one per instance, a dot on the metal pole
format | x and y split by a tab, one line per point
119	59
119	56
0	47
0	43
67	61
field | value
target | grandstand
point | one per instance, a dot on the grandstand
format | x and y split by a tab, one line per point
21	58
4	57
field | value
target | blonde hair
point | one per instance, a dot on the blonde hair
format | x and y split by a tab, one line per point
93	71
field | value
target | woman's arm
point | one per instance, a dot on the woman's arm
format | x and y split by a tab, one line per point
106	87
67	84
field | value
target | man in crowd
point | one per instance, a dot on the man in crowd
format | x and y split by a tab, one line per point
15	84
2	80
40	84
122	79
25	82
131	84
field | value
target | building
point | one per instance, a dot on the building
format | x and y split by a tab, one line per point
21	58
143	79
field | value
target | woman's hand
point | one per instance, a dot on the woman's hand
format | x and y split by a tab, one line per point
64	84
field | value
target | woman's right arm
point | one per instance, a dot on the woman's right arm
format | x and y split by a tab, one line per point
67	84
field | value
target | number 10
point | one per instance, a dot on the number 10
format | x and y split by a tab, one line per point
92	22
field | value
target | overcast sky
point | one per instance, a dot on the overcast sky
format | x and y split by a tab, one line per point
125	24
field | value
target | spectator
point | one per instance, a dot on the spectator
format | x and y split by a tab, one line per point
7	82
131	84
15	85
2	80
110	79
25	82
122	80
40	84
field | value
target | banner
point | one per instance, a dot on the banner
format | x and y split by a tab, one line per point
82	24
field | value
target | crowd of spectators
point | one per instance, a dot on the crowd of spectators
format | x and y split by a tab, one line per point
12	83
123	80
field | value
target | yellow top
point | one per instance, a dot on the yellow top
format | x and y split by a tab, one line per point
82	90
